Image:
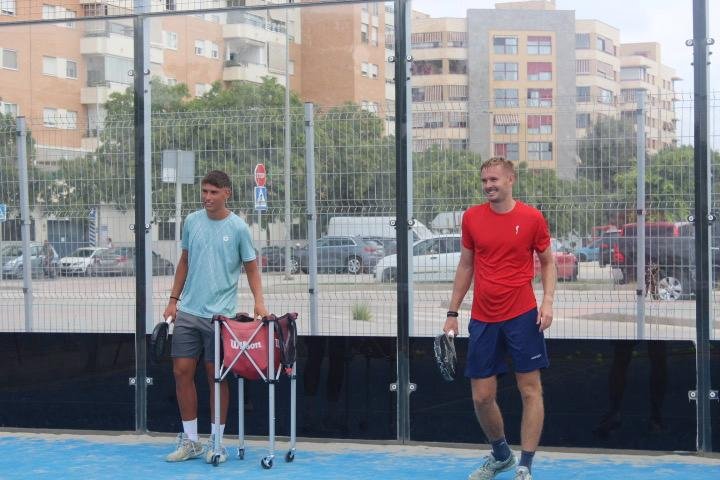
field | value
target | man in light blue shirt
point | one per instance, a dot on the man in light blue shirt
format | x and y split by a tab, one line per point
214	243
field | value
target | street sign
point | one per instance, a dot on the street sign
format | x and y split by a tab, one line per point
3	212
260	177
180	162
260	198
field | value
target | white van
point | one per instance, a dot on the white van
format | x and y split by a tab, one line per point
372	227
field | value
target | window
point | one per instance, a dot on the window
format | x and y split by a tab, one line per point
539	45
509	151
506	129
582	120
427	94
171	40
582	67
364	32
632	73
583	94
539	151
582	40
605	70
70	69
214	51
539	97
70	122
457	39
9	59
9	108
50	66
171	81
506	97
52	12
364	69
426	40
539	124
199	47
7	7
606	96
505	71
374	36
428	120
458	144
457	119
49	119
505	45
457	92
458	66
427	67
539	71
373	71
170	5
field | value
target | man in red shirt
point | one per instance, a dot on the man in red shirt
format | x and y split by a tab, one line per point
499	239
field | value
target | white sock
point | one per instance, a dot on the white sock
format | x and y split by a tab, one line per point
214	429
190	429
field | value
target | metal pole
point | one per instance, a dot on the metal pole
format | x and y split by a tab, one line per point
288	253
21	145
178	206
141	122
403	219
703	287
640	239
311	220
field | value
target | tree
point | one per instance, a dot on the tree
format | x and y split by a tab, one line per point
608	149
9	172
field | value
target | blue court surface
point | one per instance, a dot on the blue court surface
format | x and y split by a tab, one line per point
31	456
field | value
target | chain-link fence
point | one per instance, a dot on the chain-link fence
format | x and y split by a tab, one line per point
83	205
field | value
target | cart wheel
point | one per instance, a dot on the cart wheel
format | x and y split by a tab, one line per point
216	460
266	463
241	453
290	456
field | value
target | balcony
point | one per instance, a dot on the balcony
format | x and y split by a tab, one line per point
238	70
99	92
118	46
243	25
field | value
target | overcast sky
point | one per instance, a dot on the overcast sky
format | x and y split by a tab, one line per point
666	21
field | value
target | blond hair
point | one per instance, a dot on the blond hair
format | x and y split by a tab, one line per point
499	162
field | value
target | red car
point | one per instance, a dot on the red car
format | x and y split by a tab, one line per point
565	262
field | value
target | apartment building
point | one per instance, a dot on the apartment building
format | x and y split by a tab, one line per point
641	69
343	55
60	75
597	58
521	69
439	82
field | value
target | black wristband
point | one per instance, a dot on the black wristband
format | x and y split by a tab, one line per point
451	313
174	298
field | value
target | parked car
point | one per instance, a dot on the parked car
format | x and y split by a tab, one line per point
77	262
272	259
389	244
566	263
121	261
12	259
590	252
342	254
435	259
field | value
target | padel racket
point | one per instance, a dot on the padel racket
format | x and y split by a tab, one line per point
159	340
445	355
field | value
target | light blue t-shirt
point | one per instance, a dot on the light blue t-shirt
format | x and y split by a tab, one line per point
215	249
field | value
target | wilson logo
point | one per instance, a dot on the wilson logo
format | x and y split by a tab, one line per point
244	345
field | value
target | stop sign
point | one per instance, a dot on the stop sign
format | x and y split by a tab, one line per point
260	177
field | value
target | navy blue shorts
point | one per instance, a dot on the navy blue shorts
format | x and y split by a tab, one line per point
490	343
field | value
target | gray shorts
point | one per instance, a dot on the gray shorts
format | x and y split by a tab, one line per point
192	335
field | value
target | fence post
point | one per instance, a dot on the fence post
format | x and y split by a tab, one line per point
640	239
311	220
703	221
21	145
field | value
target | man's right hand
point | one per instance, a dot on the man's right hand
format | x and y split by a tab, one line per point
170	310
451	324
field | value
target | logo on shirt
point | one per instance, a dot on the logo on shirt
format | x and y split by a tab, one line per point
517	229
226	238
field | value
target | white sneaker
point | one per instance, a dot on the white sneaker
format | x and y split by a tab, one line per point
492	467
185	449
210	451
522	473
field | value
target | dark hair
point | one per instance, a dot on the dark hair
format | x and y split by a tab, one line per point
217	178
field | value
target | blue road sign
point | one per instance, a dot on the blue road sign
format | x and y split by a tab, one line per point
3	212
260	198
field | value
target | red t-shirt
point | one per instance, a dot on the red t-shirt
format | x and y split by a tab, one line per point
503	245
